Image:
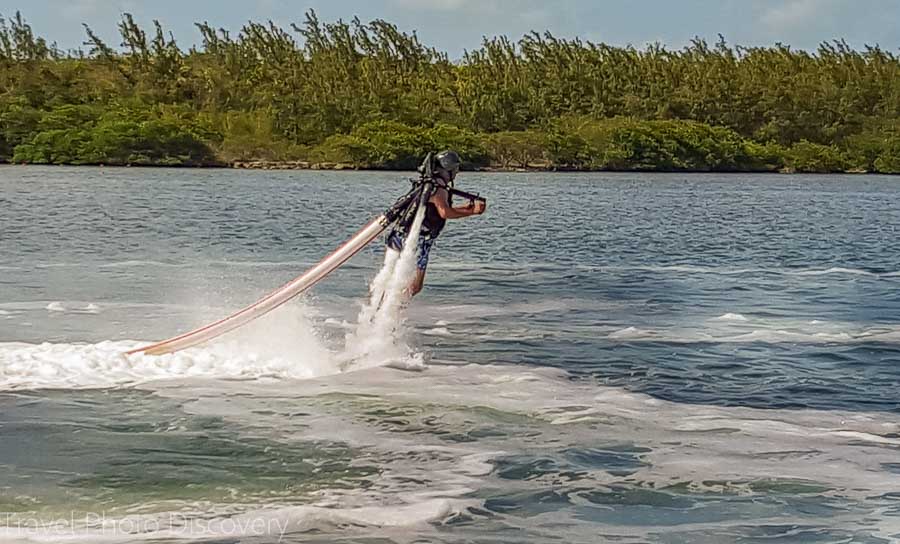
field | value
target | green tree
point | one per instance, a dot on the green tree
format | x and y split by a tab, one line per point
519	148
815	158
374	96
888	162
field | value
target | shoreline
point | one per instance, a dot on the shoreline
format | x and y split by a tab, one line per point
332	167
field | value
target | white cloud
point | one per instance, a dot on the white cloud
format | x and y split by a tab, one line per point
440	5
536	15
510	8
81	8
91	10
796	12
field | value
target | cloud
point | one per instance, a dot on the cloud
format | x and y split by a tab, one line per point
796	12
438	5
510	8
81	8
91	10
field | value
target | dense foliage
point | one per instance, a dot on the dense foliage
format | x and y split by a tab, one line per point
371	96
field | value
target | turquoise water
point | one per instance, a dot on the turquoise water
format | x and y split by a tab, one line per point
601	357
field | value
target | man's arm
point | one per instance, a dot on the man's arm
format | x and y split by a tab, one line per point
441	202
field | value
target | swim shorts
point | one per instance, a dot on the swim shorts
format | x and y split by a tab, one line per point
395	241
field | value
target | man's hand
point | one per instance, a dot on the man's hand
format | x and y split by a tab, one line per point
476	207
441	202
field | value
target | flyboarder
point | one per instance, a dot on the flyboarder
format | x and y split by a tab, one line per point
442	169
435	184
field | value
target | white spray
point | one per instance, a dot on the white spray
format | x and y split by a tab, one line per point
283	344
378	338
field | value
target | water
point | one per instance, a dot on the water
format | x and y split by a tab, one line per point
375	340
622	358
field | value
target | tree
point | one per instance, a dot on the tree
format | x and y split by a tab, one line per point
372	95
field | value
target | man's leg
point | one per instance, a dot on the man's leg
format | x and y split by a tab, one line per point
421	266
418	282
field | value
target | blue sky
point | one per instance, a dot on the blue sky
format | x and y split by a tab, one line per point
456	25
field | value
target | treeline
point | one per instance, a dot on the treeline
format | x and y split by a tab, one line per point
368	95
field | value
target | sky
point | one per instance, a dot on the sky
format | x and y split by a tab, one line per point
458	25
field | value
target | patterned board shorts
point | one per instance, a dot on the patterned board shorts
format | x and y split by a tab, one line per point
395	241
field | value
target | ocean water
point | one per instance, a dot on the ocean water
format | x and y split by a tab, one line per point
600	358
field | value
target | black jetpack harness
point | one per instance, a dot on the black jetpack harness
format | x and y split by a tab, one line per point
404	210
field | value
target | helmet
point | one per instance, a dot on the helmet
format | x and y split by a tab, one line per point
448	160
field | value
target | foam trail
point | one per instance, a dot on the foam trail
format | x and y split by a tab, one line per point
377	338
379	286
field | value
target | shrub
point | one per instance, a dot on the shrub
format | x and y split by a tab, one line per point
815	158
888	162
393	145
522	148
18	124
631	144
74	135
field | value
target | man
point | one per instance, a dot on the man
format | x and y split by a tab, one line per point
438	210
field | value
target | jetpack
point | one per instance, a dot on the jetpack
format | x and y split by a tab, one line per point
400	212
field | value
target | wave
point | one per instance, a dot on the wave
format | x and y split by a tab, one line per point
196	264
692	269
104	365
143	263
549	267
681	268
769	442
87	366
292	350
837	270
285	347
731	317
68	307
692	448
631	332
137	263
761	335
479	267
56	307
282	345
271	523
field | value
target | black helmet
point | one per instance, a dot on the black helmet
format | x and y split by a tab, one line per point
448	160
